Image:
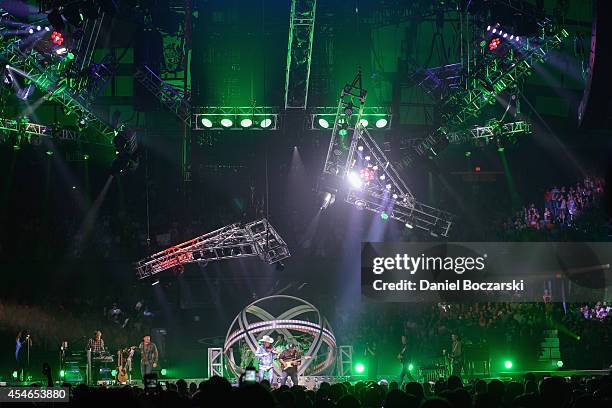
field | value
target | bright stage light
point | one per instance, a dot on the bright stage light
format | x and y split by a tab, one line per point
225	122
245	123
114	373
381	123
359	368
488	28
410	367
388	186
355	180
505	35
508	364
360	148
266	123
31	31
394	196
494	31
62	373
384	216
368	158
206	122
49	153
559	363
323	123
85	157
155	283
57	38
409	225
382	177
164	371
364	122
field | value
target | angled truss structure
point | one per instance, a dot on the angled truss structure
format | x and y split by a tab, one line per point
357	170
488	81
169	96
299	53
256	238
485	134
49	80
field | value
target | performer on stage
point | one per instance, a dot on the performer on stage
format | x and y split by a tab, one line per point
96	344
290	360
405	357
456	355
22	350
148	356
265	354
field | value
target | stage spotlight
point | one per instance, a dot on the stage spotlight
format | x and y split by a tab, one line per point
246	122
31	30
364	122
155	282
381	123
409	225
384	216
382	177
328	199
360	148
355	180
266	123
394	196
47	28
359	368
164	371
85	157
388	186
494	31
55	18
57	38
508	364
206	122
368	158
488	28
25	92
61	51
114	372
38	28
49	152
62	373
410	367
559	363
343	129
323	123
348	109
225	122
517	38
15	374
505	35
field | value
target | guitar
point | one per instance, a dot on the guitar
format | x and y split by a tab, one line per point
285	364
122	369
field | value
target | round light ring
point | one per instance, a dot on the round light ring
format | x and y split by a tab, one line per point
246	122
323	123
266	123
381	123
226	122
364	122
206	122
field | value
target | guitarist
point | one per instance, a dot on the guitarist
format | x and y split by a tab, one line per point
456	355
265	353
290	359
405	357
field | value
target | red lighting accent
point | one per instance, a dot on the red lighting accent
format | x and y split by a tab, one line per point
367	174
477	169
57	38
495	42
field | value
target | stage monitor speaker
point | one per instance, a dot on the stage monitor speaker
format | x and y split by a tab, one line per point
594	108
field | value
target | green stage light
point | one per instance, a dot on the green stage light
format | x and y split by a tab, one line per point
206	122
164	371
16	147
85	157
266	123
245	123
343	132
62	373
225	122
508	364
323	123
381	123
384	216
364	122
49	152
359	368
410	367
15	374
500	149
559	363
114	373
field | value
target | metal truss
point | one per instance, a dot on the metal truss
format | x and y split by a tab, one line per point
369	113
215	362
49	79
439	81
484	134
359	171
38	130
165	93
299	53
345	360
212	115
256	238
488	81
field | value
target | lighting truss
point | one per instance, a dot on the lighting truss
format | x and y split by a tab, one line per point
35	129
299	53
488	81
261	117
49	80
370	114
484	134
358	170
256	238
165	93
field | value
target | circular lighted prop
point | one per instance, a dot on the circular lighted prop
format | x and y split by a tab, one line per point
294	318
